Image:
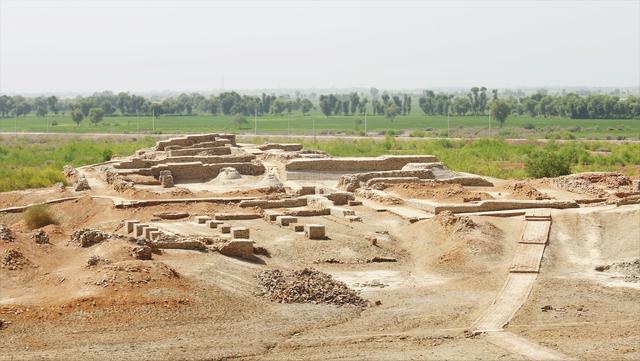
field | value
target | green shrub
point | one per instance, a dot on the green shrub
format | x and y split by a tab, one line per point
37	216
546	163
529	126
418	133
107	154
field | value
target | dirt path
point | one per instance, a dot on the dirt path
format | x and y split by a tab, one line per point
514	294
520	345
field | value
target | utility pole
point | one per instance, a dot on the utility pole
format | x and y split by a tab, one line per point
448	124
365	122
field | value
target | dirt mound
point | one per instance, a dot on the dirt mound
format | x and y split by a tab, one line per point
524	190
134	273
13	259
454	224
228	173
598	184
307	286
6	234
630	270
434	190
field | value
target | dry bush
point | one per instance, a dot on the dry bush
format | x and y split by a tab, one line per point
37	216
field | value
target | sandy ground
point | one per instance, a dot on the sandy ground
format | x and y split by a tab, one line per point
196	305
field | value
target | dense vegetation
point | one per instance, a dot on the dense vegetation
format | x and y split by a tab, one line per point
476	102
498	158
28	164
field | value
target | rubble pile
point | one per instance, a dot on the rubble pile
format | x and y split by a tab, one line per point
630	270
88	237
13	259
40	237
307	286
6	234
598	184
524	190
453	223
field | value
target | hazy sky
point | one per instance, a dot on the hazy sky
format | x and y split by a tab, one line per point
74	46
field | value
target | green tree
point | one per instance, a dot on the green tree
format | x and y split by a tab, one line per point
500	111
96	115
306	106
391	111
77	116
240	121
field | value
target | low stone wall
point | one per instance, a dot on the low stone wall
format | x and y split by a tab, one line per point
490	205
289	147
351	182
199	171
382	163
195	151
236	216
213	144
275	203
308	212
179	245
135	163
191	140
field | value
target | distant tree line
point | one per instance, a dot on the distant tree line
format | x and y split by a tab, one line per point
478	101
572	105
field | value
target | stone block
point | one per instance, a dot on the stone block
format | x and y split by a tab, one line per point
240	232
314	231
297	227
225	228
286	220
147	232
130	223
355	203
213	223
202	219
139	228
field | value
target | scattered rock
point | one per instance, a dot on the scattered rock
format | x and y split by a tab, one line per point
13	259
82	184
40	237
89	237
143	253
307	286
453	223
6	234
96	260
59	187
630	270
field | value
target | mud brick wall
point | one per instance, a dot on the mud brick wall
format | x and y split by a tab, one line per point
275	203
191	140
194	151
198	170
148	163
289	147
383	163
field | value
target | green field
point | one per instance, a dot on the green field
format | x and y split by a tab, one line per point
431	126
28	163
